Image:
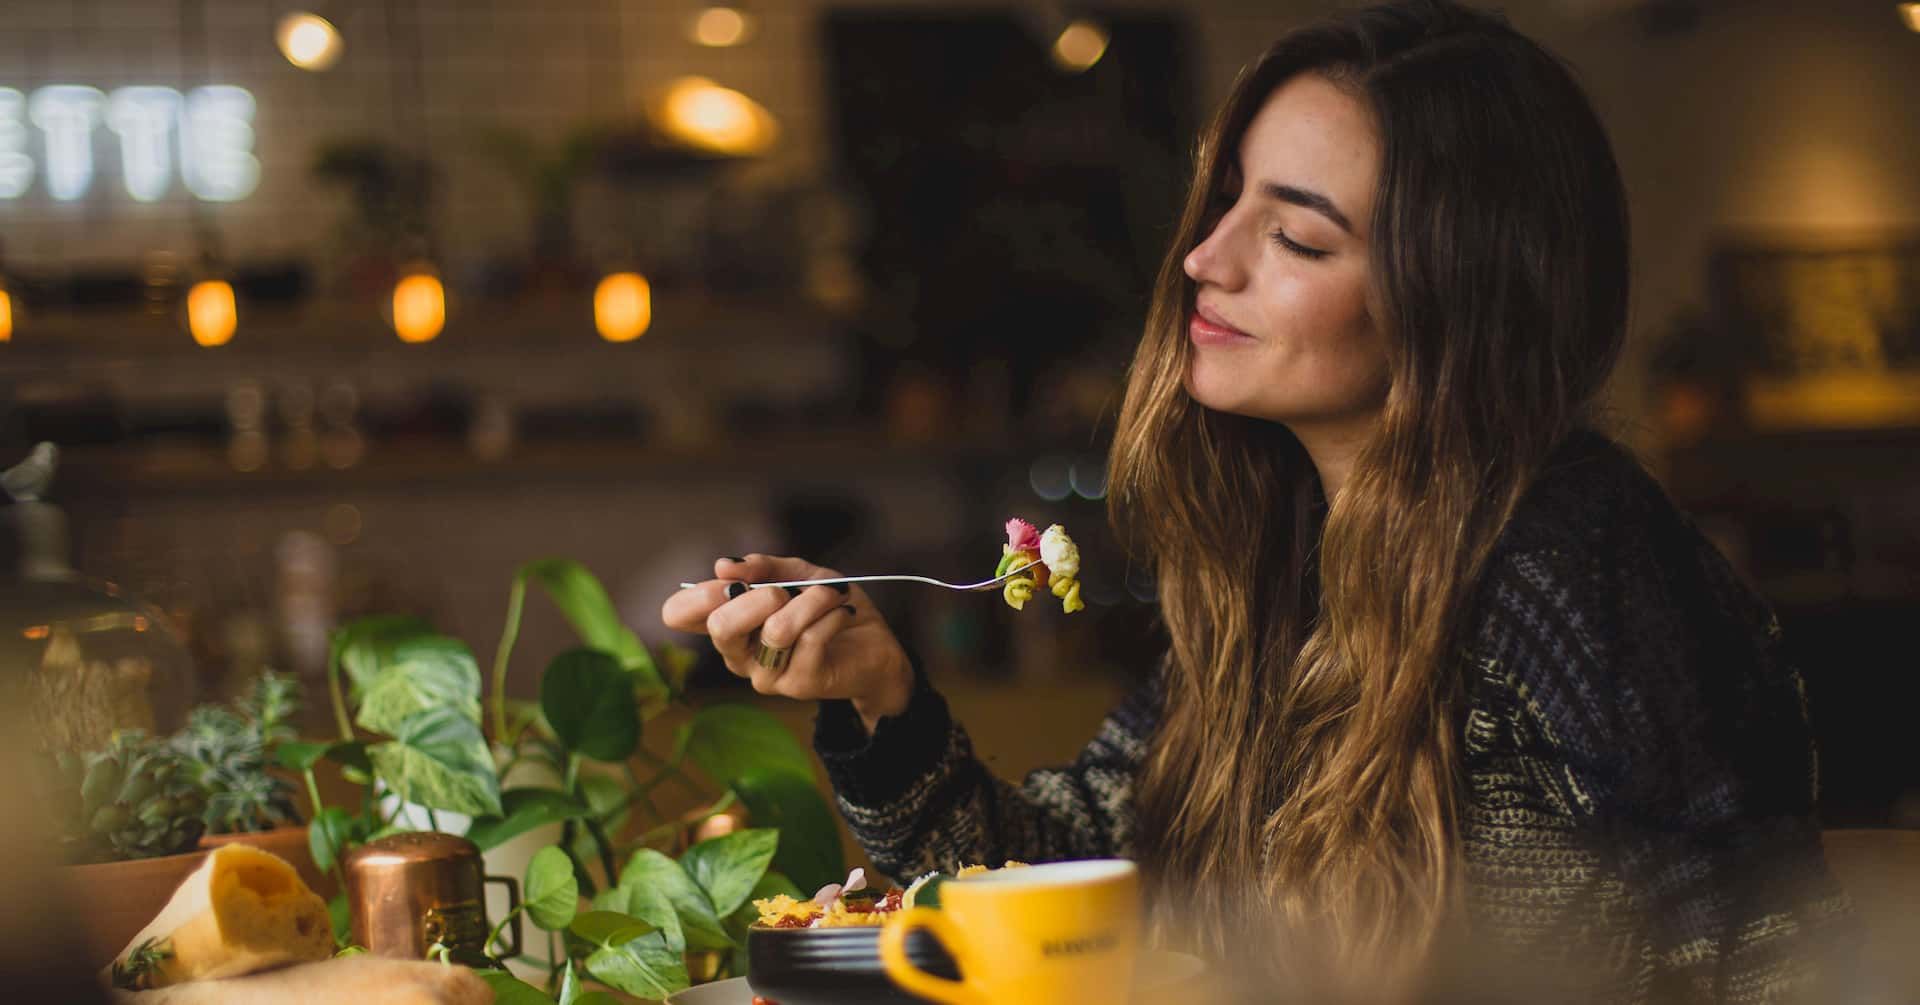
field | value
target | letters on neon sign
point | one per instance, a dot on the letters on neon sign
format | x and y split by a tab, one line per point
211	128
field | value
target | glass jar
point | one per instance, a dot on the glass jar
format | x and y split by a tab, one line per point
92	659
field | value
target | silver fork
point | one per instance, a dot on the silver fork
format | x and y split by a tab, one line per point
985	584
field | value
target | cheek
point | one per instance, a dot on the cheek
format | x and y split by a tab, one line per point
1319	316
1320	357
1336	361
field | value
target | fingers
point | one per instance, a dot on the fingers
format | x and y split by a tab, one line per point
810	673
687	610
783	628
758	568
739	620
730	623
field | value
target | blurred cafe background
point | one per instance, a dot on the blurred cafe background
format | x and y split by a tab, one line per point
353	306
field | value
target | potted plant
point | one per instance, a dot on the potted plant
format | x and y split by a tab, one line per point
136	816
127	819
229	754
408	707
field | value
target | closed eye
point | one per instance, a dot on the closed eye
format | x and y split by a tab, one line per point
1280	238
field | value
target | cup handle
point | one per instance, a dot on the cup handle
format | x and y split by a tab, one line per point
513	909
893	956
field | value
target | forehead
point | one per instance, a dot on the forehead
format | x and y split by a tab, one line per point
1315	135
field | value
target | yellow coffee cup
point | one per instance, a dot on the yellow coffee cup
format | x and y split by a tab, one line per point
1043	935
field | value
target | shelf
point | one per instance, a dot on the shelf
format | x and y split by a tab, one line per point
698	347
120	472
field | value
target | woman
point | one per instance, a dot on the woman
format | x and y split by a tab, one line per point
1444	663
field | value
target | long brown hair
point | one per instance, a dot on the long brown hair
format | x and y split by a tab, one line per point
1306	768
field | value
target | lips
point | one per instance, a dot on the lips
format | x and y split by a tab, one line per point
1207	328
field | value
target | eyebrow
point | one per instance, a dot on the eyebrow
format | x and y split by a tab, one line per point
1311	200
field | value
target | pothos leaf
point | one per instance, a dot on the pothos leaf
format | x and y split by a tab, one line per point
553	894
727	867
438	759
511	990
645	966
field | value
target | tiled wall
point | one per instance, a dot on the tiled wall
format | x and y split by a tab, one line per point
434	72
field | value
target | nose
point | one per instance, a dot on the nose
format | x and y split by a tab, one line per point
1212	262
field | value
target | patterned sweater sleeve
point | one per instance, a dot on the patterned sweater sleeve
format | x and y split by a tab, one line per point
917	799
1676	730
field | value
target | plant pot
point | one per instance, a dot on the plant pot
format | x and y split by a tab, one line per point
113	901
289	843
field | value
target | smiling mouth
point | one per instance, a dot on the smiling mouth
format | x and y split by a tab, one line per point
1207	330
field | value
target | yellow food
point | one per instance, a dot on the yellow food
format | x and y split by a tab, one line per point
838	916
1018	591
243	910
782	911
975	870
781	908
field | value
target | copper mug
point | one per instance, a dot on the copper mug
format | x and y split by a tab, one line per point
409	892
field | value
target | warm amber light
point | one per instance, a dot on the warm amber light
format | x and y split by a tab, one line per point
419	307
1910	13
702	114
1869	400
6	315
1080	45
721	26
622	307
309	41
211	313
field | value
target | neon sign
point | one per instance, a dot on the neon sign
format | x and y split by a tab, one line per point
212	127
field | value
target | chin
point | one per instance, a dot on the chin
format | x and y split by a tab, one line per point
1220	392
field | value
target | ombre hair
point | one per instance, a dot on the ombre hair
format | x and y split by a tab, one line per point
1306	771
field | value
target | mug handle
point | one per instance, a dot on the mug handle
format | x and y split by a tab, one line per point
513	910
893	956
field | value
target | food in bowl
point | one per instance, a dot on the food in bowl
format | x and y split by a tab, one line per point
854	904
826	950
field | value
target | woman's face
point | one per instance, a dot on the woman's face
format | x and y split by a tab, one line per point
1280	328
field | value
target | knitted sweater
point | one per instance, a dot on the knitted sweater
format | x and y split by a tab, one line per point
1638	769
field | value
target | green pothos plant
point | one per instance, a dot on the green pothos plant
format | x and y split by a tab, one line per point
415	726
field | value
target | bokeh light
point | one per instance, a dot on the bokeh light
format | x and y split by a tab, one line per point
309	41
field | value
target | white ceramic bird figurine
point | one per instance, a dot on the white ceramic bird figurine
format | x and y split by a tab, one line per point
30	479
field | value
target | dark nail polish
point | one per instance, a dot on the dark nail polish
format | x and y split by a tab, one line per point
842	587
849	609
793	591
735	589
735	561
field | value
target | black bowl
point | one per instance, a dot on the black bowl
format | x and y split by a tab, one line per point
835	966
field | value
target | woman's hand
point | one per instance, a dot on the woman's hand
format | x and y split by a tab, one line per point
839	646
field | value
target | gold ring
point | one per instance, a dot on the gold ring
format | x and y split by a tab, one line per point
771	657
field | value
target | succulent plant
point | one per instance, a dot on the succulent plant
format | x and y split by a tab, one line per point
225	754
134	801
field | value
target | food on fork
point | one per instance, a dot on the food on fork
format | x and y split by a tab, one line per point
1058	568
1062	559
